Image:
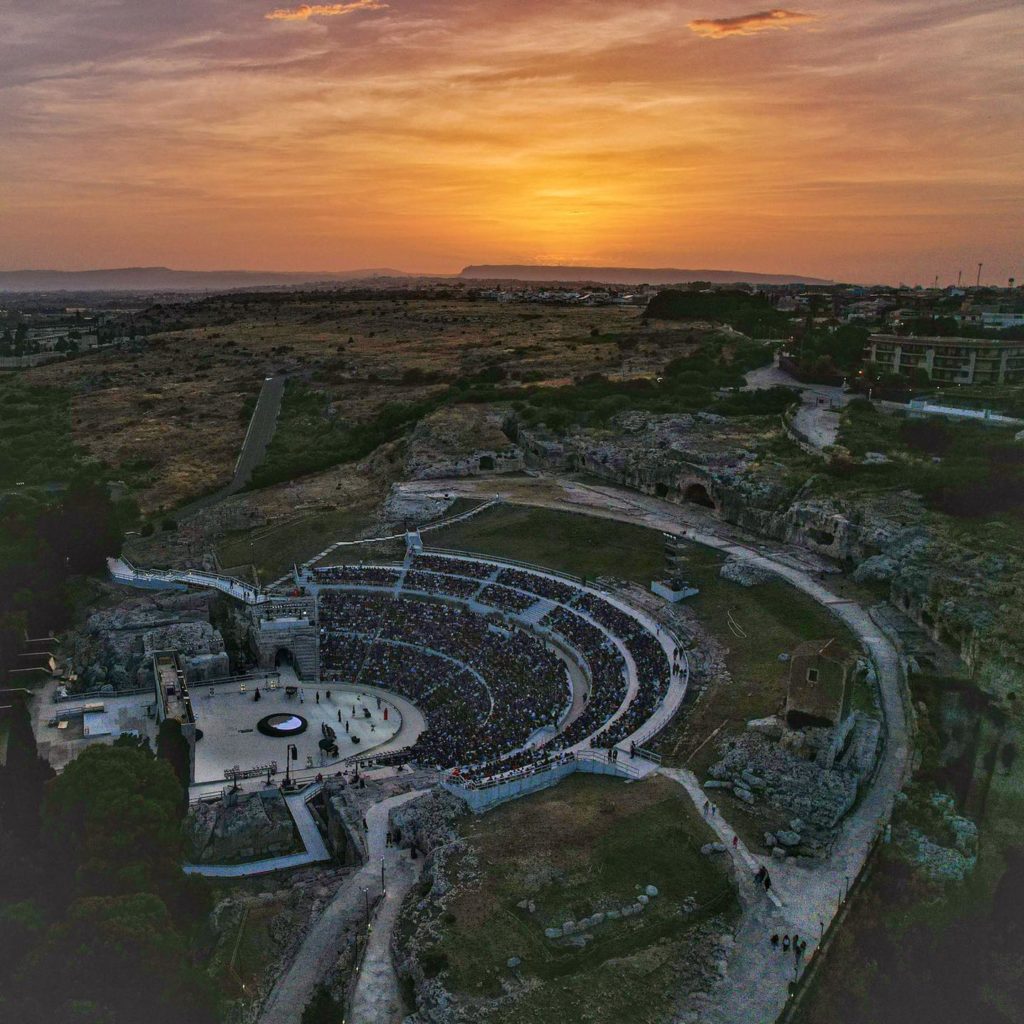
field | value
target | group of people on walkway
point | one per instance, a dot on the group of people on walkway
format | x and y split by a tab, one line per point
793	944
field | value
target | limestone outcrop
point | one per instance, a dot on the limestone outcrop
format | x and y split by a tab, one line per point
240	827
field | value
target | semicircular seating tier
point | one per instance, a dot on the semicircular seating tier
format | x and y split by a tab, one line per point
464	639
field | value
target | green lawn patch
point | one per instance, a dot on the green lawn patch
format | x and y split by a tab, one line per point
275	549
580	545
586	845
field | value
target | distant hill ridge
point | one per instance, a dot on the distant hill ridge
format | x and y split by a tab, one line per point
166	279
629	275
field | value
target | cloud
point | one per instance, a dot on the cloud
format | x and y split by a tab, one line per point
749	24
306	11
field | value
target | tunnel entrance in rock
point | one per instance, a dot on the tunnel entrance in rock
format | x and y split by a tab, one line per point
822	537
486	462
660	490
697	494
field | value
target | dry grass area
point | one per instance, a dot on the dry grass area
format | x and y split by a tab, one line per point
586	845
171	415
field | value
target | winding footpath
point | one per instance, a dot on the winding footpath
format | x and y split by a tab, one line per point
319	950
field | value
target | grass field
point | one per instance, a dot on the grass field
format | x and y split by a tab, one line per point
581	545
275	549
588	844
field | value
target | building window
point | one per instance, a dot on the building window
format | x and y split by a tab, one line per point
812	675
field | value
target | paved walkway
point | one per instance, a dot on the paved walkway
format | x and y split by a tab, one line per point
376	999
755	987
817	419
318	953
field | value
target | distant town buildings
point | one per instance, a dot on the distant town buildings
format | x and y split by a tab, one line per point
948	360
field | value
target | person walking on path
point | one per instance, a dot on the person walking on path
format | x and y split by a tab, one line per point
775	941
785	943
735	842
318	696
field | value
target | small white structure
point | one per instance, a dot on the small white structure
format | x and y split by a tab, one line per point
673	590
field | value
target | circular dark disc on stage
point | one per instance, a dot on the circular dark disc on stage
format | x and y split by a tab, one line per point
282	724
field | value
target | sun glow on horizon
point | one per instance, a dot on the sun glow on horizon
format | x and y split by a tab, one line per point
430	135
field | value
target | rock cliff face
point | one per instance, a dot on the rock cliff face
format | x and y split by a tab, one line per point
114	647
461	440
246	828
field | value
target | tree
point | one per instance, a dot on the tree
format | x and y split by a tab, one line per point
23	778
113	820
117	959
172	746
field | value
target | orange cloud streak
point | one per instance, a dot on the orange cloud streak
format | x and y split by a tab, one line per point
306	11
749	24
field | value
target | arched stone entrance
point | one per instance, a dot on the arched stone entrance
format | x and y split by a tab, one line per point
697	494
486	463
284	656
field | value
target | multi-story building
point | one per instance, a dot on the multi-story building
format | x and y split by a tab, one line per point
948	360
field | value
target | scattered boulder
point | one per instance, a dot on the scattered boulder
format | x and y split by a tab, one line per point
651	890
772	727
740	571
710	849
513	962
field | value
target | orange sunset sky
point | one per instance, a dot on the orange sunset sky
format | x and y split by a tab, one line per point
869	140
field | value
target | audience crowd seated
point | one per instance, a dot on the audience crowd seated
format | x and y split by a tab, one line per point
456	566
484	691
364	575
607	673
535	583
506	599
436	583
521	763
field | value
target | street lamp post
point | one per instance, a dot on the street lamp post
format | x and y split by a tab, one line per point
292	749
383	887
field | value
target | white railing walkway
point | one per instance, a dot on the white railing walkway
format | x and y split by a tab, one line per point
440	524
122	571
